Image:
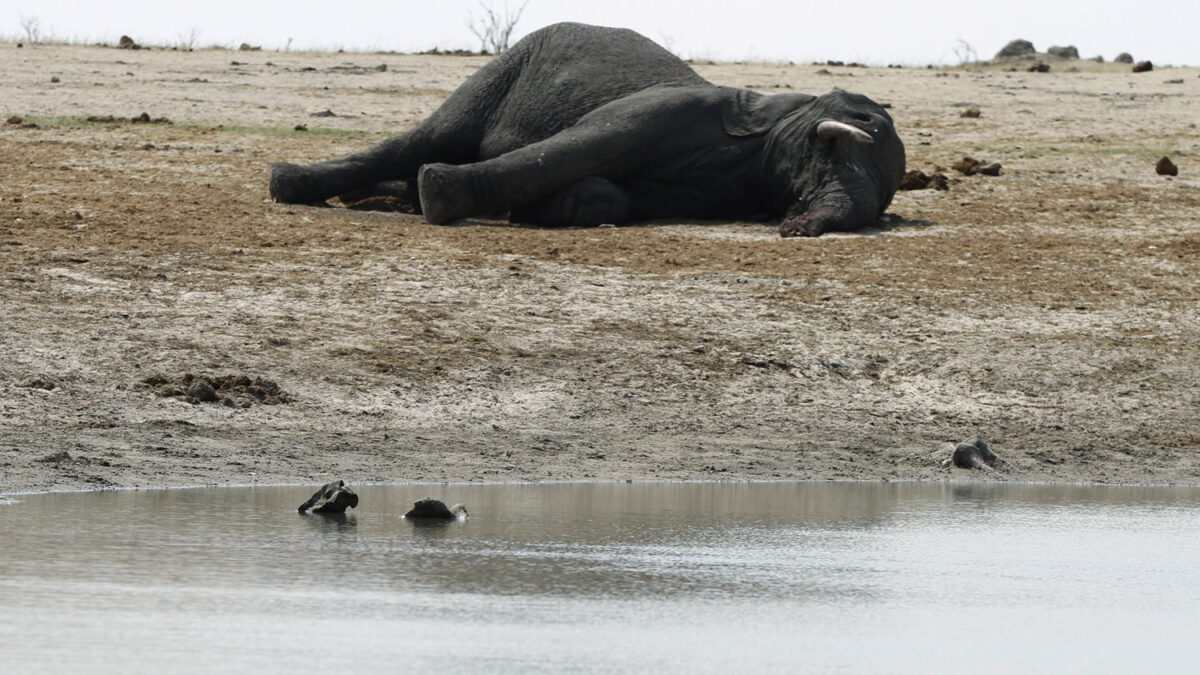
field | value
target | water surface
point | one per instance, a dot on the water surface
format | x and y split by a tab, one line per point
671	578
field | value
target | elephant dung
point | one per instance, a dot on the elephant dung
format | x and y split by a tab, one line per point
1166	167
333	497
919	180
433	509
969	166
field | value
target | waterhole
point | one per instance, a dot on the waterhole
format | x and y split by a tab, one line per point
606	577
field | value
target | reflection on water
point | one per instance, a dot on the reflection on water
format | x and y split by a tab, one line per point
606	578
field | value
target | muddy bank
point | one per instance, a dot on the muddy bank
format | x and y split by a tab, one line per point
1051	309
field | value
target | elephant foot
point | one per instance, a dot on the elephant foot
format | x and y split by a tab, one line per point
291	184
811	224
443	195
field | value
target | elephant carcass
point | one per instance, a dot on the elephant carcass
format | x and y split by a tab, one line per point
580	125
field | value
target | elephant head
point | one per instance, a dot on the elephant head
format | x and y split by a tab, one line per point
833	164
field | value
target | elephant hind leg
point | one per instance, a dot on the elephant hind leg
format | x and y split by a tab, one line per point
587	203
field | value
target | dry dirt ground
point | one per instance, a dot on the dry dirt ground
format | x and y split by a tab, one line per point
1051	310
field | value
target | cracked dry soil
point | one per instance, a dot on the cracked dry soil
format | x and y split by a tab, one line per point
1051	310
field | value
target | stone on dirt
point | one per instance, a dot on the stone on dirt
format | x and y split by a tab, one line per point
1143	67
1166	167
1016	48
974	454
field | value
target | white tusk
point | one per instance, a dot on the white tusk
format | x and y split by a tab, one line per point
828	129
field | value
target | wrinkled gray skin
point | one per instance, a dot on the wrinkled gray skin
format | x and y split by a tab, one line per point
581	125
434	509
333	497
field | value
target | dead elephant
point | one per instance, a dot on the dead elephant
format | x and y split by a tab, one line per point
581	125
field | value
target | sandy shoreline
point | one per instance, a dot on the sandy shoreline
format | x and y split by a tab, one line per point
1053	310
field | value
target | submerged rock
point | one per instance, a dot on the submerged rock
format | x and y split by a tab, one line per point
333	497
433	509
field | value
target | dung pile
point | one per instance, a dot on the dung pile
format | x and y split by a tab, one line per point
239	391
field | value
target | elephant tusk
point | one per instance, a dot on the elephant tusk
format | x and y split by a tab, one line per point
828	129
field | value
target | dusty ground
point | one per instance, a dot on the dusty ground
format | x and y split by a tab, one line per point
1052	309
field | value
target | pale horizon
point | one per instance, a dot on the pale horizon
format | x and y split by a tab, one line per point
873	32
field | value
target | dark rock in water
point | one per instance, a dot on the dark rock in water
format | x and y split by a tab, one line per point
434	509
1068	52
1143	67
974	454
333	497
1016	48
1166	167
1124	57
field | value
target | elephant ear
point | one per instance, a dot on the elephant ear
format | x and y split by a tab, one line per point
749	113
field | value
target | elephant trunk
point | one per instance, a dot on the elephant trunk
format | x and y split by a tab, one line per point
835	216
